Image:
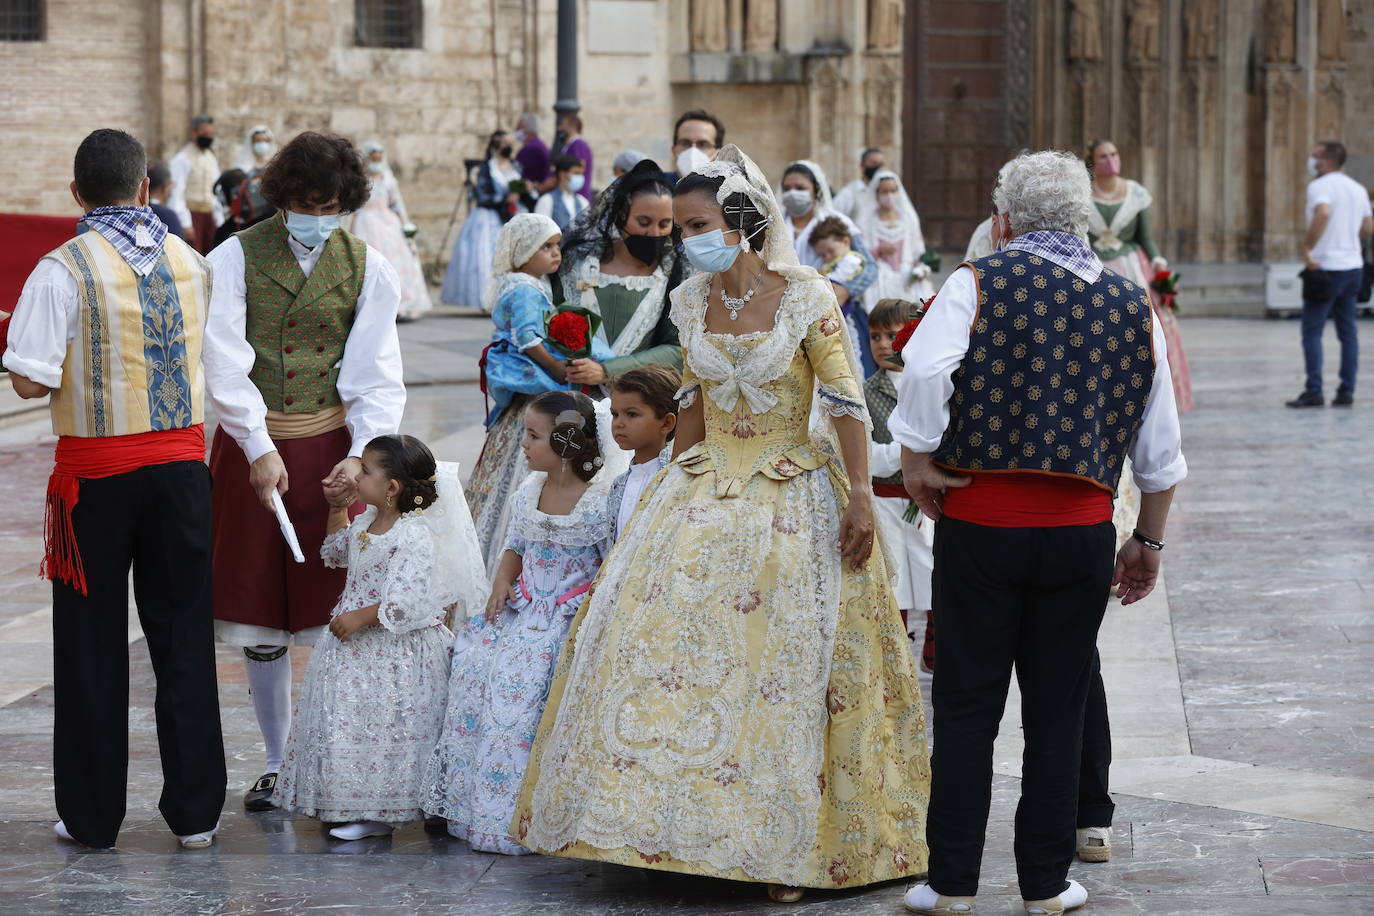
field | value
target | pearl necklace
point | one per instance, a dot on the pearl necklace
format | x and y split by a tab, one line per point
733	304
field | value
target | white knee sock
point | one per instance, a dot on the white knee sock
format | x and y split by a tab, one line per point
269	683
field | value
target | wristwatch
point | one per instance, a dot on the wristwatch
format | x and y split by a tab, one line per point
1147	541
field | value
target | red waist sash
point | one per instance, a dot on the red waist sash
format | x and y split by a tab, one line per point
92	458
1027	499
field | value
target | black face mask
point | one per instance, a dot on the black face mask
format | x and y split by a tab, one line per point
205	142
506	151
646	249
870	171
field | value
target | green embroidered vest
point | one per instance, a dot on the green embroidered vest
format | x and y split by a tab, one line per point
297	325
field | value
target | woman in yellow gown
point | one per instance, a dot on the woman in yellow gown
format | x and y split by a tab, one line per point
736	698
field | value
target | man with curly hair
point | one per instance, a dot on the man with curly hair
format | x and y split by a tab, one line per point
308	313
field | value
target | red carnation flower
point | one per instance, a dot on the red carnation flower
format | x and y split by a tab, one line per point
570	331
904	335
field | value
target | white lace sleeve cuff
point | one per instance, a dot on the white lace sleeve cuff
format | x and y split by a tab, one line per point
839	405
687	395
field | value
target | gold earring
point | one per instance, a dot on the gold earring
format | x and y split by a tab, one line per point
390	500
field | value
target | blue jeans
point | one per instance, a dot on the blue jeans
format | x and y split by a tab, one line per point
1345	284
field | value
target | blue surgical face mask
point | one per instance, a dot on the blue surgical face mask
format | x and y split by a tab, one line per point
576	182
709	252
311	231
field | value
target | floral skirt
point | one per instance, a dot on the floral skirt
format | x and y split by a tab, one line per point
495	477
733	701
1135	267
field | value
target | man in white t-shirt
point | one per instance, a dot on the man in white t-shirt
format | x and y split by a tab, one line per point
1338	218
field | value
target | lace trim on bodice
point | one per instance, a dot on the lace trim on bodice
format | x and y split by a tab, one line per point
588	523
741	372
587	278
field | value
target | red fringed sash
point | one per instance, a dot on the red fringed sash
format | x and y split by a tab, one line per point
93	458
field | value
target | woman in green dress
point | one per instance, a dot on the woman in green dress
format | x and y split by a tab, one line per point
1119	229
621	259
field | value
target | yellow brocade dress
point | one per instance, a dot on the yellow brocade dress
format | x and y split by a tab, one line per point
732	701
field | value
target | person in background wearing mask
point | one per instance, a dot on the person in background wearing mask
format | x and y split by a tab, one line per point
195	169
256	150
573	144
565	202
1119	230
696	137
384	224
159	187
627	160
307	314
848	201
1338	218
536	163
493	203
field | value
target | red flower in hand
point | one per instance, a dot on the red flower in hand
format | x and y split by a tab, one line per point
904	335
570	331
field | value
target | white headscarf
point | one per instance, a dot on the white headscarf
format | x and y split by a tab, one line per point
823	199
246	160
914	244
519	240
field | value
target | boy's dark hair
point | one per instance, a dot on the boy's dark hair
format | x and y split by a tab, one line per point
891	313
832	227
740	212
108	168
701	114
315	168
158	174
656	383
564	162
409	461
583	459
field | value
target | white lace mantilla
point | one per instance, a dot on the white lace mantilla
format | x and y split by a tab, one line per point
587	278
588	523
741	372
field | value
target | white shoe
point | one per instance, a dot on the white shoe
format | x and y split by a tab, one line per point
202	840
1095	844
61	830
1070	898
924	899
357	831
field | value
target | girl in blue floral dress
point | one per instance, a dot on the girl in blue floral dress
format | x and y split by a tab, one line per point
518	365
503	659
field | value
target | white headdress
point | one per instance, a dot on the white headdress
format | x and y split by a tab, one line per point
914	241
519	240
823	199
741	176
245	159
460	582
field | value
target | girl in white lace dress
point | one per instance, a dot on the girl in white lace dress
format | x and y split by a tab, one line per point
373	697
503	660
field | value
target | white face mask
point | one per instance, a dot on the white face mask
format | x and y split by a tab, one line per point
689	159
375	167
796	202
262	148
888	199
576	182
1312	167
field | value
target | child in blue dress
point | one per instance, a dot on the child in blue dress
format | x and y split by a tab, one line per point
519	364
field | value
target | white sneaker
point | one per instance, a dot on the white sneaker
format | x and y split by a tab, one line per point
1070	898
924	899
361	829
61	830
1095	844
201	840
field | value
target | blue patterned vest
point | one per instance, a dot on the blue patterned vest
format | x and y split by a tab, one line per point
1057	372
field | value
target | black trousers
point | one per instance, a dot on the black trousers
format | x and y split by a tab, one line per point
1095	805
155	520
1029	600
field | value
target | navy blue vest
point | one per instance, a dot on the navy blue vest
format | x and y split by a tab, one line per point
1057	372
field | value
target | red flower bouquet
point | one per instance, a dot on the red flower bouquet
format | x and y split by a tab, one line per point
904	335
1165	282
570	330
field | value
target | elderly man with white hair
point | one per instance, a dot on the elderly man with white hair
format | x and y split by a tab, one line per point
1032	377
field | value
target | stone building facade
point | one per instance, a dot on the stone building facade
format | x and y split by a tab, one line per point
791	79
1214	104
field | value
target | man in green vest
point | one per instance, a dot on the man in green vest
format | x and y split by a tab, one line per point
308	313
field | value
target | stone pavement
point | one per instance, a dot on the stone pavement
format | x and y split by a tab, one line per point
1240	700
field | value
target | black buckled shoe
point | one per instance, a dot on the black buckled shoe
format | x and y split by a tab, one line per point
259	798
1307	399
1343	399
